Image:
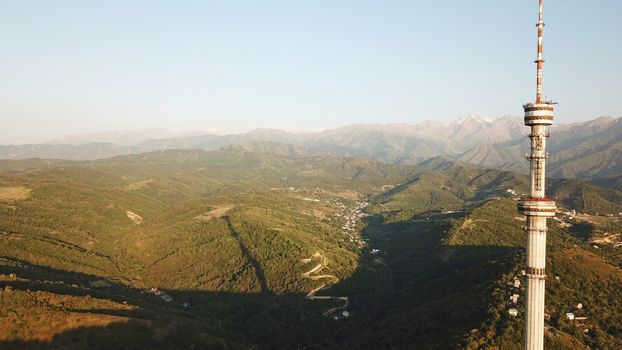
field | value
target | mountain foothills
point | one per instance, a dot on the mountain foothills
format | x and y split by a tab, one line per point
588	150
260	245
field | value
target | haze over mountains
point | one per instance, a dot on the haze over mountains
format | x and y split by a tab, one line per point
584	150
126	137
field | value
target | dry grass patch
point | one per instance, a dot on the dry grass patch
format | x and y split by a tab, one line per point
319	214
42	315
137	219
611	239
218	212
138	185
593	219
468	223
587	265
14	193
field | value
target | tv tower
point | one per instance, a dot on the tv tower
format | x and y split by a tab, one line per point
537	207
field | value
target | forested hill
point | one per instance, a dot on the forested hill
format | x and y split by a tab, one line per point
237	244
451	249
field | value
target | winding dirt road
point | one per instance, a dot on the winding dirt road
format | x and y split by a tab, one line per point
332	279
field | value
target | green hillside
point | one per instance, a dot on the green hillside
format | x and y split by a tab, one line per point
245	243
444	280
224	231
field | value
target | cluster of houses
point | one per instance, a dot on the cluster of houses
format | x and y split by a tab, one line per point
572	315
567	218
514	288
564	218
343	314
352	217
159	293
576	315
579	320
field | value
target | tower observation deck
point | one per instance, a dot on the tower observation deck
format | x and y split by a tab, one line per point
537	207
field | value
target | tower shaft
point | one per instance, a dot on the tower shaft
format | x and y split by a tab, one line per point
537	208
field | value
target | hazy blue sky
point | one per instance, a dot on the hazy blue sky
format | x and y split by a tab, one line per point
80	66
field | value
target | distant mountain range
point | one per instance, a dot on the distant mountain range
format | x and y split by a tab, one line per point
583	150
126	137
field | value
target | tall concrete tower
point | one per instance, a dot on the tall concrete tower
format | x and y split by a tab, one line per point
537	207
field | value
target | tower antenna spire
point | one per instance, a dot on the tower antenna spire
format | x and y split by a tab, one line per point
537	207
539	61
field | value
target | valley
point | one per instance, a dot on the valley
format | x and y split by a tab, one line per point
251	250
